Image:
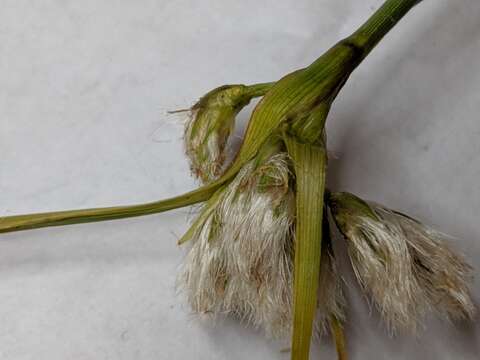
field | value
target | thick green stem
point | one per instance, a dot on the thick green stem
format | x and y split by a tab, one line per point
310	168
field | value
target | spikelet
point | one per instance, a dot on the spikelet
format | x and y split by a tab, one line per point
209	124
241	257
405	266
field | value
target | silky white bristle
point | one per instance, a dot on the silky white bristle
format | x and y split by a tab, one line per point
407	268
443	275
383	265
241	258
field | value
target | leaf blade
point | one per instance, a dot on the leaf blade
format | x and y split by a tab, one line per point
310	170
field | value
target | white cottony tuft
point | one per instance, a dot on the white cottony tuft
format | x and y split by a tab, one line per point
241	256
406	267
383	265
444	275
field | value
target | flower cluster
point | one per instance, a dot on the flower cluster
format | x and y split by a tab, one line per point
406	267
241	254
240	260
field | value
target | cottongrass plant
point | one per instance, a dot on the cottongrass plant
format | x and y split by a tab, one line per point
260	248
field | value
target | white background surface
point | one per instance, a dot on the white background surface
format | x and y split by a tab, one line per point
84	89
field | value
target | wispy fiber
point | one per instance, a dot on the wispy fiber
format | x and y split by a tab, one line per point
406	267
241	257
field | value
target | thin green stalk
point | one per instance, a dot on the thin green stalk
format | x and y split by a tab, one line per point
34	221
339	337
310	168
259	89
251	91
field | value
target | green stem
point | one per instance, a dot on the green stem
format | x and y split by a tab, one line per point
380	23
310	168
34	221
260	89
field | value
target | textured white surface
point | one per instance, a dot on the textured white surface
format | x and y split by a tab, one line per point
84	90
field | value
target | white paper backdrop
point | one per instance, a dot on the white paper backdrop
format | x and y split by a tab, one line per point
84	90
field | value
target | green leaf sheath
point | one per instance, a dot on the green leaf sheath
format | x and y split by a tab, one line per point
310	168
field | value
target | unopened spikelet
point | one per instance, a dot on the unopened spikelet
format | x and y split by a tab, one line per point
405	266
241	258
209	124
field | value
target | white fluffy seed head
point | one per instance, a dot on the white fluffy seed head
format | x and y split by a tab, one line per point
208	127
241	257
405	266
443	275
